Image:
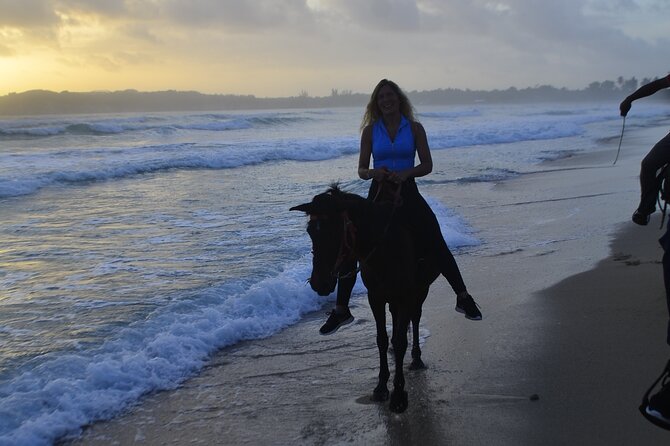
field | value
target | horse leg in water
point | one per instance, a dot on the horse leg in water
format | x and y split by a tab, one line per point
400	316
417	363
378	307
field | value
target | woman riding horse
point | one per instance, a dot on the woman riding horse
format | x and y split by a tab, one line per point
392	137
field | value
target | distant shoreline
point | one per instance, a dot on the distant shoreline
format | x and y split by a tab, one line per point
44	102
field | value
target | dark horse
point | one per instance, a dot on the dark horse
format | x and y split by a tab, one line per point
345	227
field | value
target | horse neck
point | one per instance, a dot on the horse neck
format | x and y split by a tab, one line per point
370	221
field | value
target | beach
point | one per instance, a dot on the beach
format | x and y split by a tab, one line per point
154	280
573	334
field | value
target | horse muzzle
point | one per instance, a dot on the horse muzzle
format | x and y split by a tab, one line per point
324	285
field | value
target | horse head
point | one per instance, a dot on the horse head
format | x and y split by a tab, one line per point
332	235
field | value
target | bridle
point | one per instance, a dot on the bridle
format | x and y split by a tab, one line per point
347	246
348	243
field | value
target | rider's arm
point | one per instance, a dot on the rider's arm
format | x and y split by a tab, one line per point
644	91
364	171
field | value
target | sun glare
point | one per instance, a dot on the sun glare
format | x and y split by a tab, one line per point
20	73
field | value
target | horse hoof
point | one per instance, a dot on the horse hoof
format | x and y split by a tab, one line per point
399	401
417	364
380	395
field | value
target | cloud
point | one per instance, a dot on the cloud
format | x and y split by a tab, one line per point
237	15
347	44
223	15
118	60
103	8
141	32
385	15
6	51
27	14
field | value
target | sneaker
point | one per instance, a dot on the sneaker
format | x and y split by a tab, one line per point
335	321
657	408
469	308
659	405
640	218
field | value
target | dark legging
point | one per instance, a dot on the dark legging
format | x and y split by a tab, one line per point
426	229
665	243
658	156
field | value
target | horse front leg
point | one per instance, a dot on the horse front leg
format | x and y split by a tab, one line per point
417	363
399	400
378	306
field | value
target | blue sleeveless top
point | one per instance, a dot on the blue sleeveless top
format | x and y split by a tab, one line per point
395	155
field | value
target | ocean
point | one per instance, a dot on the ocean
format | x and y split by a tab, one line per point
134	246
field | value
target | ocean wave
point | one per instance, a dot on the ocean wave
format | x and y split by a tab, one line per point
31	132
61	393
79	166
80	129
261	138
159	124
487	133
561	113
489	175
485	175
75	166
452	114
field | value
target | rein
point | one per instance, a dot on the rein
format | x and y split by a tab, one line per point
347	247
623	126
397	199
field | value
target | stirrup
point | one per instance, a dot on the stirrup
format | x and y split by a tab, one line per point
645	401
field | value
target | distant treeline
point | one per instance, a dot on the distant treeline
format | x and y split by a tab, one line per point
48	102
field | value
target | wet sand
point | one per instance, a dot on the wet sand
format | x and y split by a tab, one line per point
573	334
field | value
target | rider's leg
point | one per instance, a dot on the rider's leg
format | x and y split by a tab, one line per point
345	285
341	315
665	243
428	234
657	157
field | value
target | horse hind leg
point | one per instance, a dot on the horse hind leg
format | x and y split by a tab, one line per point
417	363
399	400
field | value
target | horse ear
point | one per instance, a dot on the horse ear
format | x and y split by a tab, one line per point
305	207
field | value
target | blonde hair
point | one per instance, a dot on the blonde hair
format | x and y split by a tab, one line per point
372	112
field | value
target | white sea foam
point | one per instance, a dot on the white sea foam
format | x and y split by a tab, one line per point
455	230
62	392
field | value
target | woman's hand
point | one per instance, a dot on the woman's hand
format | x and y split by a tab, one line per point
397	177
379	174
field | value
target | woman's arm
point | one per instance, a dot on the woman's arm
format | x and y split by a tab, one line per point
364	171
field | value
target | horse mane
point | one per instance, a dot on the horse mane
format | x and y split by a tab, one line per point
337	192
371	217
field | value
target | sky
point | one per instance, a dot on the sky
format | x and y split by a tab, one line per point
280	48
